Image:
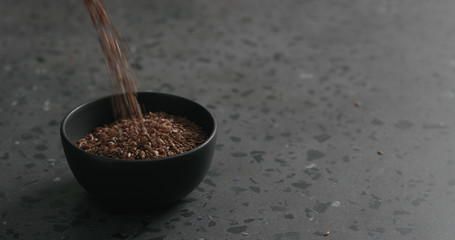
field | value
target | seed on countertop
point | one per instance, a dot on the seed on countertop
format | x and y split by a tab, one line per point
357	103
380	152
326	233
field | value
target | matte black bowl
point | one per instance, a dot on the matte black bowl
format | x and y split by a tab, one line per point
154	182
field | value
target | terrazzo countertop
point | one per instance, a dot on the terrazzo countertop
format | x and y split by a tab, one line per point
306	94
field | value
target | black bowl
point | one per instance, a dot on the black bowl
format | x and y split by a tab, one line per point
153	182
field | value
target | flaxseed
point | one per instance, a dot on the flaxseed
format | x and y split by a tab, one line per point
157	135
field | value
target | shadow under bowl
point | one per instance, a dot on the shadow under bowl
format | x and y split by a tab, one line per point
153	182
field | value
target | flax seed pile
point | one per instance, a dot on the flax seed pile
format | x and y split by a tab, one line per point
135	135
161	135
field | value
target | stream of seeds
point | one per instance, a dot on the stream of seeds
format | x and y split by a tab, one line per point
116	55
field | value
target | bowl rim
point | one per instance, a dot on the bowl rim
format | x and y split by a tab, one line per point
138	161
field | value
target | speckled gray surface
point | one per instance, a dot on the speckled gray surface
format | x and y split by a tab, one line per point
295	157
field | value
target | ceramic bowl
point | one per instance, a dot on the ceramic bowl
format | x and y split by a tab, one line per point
153	182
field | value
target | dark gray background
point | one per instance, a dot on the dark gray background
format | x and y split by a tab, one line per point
294	158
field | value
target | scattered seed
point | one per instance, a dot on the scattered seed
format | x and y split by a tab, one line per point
357	103
380	152
326	233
